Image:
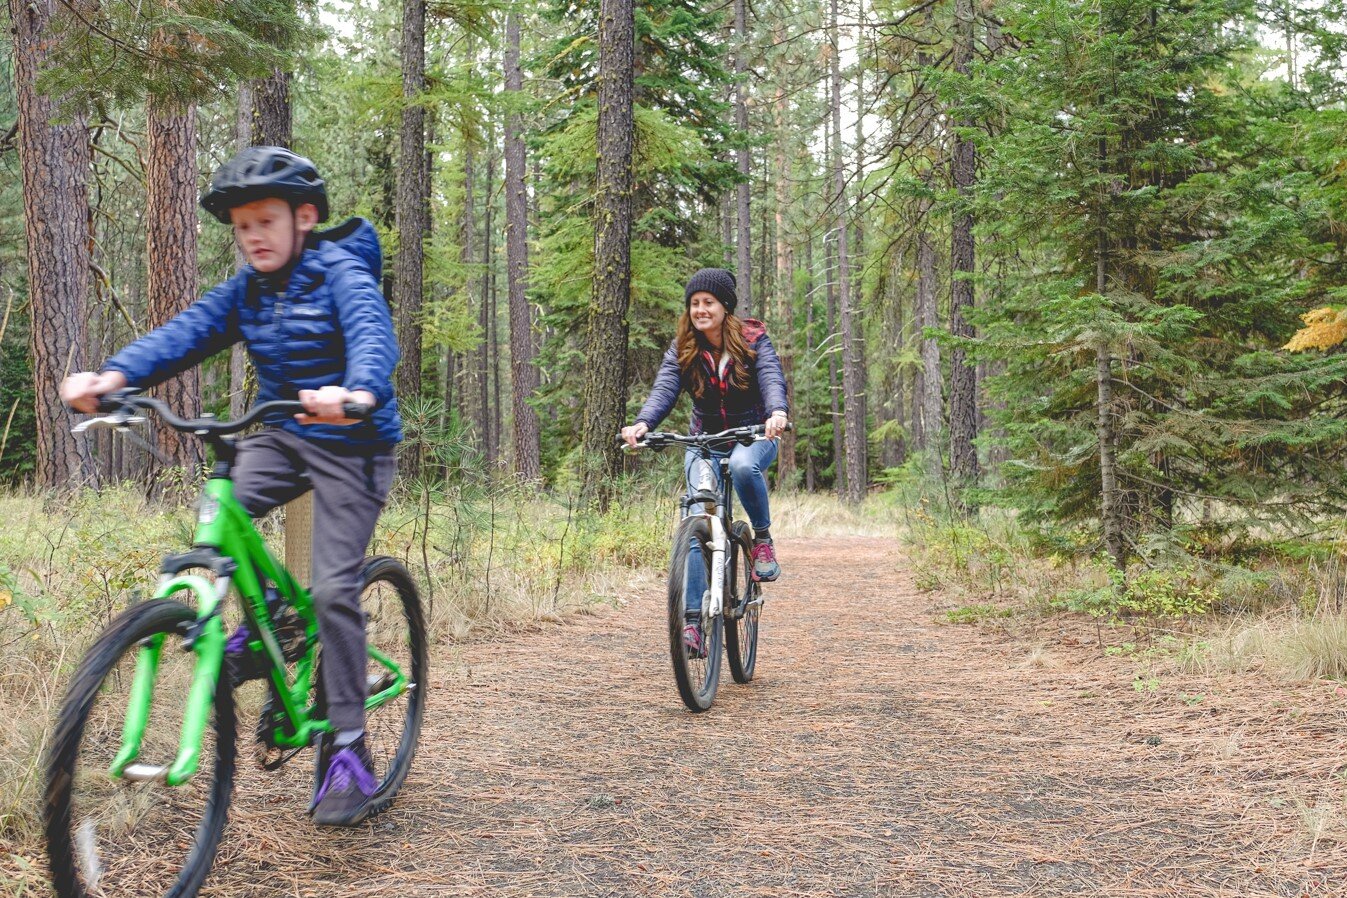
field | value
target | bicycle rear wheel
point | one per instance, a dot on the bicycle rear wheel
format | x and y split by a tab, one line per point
697	677
395	628
745	593
115	836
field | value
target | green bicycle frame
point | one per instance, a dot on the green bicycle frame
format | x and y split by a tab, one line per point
225	527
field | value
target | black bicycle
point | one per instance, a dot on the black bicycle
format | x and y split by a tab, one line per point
712	555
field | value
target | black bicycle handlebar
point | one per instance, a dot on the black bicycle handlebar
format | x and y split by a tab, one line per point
658	439
131	399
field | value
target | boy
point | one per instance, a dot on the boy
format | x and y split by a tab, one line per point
316	326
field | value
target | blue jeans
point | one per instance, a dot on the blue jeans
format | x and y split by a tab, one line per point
748	471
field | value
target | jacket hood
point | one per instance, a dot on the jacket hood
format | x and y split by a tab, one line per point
358	237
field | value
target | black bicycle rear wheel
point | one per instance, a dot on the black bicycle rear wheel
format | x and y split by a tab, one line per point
697	677
396	627
743	607
116	836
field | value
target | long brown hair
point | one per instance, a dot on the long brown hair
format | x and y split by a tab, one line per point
690	343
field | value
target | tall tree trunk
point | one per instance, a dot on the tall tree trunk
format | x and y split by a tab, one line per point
785	463
928	313
264	120
468	229
963	400
270	110
55	159
413	194
490	441
606	373
1110	500
238	353
810	466
852	485
170	237
743	242
497	407
523	363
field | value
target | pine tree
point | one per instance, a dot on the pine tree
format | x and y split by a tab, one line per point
606	383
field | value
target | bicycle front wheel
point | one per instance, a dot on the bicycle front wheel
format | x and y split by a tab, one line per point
697	673
743	607
111	835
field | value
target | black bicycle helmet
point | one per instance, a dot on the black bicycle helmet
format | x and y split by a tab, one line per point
261	172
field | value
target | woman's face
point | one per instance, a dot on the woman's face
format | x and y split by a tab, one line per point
707	313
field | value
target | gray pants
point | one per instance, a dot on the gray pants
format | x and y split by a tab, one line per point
274	467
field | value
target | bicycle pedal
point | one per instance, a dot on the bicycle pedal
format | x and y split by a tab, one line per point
145	773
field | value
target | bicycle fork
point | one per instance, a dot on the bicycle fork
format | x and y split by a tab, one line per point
719	541
206	638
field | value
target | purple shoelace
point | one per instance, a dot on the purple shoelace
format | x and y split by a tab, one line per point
345	770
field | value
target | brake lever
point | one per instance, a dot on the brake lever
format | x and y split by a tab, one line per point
118	420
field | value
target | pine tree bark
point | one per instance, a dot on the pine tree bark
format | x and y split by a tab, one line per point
264	120
1110	500
743	213
785	463
606	371
54	154
270	110
468	230
490	439
413	191
963	400
852	486
523	362
928	312
171	248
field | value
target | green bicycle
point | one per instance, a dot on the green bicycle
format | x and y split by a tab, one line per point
140	771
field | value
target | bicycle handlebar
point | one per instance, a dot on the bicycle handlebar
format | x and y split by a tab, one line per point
658	439
128	399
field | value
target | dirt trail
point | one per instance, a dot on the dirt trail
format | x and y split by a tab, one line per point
879	752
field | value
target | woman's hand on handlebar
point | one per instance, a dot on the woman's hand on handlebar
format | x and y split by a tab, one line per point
775	425
324	405
83	390
634	433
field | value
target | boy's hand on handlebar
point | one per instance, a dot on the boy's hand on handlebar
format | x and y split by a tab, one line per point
324	405
83	390
775	425
634	433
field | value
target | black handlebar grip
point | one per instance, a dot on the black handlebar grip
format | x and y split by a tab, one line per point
357	410
116	400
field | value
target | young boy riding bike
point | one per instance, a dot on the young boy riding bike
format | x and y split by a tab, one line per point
309	309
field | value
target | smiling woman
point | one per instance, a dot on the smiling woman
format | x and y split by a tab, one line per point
732	371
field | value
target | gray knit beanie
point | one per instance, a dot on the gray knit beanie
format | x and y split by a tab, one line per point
716	281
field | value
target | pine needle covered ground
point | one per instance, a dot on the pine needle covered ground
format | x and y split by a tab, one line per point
883	750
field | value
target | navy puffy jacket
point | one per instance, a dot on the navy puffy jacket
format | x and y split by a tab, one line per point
766	391
329	326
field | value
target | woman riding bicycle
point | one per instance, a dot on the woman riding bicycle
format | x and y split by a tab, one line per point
734	375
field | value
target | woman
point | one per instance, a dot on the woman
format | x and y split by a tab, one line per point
735	378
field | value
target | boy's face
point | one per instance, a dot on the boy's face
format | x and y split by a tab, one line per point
270	234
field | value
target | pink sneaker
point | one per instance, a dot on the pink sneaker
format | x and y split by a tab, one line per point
693	643
765	568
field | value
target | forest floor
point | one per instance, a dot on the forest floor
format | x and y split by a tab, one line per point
881	751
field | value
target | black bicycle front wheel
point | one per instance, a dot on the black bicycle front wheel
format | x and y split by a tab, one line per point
395	627
696	673
135	835
743	606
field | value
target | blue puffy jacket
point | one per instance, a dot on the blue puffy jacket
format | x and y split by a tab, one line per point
720	410
329	326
